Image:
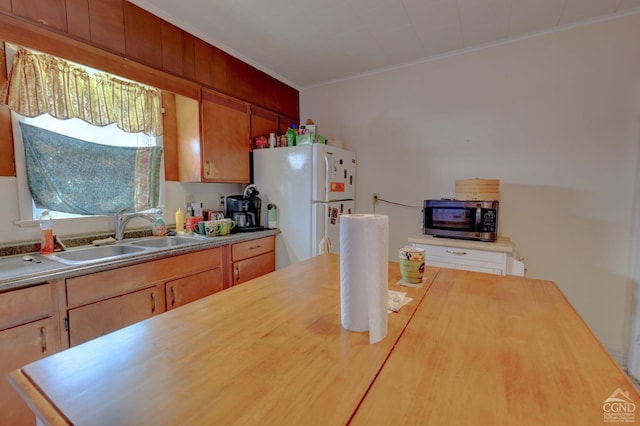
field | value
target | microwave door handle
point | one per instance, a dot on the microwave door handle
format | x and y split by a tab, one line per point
478	218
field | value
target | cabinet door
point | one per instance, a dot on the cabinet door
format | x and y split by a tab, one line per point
249	83
194	287
263	122
143	35
5	6
203	52
7	165
107	24
172	48
224	77
99	22
253	267
51	13
225	138
20	346
97	319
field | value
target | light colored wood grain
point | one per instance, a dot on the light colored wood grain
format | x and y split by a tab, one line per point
271	351
476	349
485	349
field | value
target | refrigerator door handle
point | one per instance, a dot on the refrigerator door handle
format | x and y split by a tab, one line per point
328	157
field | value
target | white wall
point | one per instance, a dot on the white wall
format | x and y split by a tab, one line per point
554	117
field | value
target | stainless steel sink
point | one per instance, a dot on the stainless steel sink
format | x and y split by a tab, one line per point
159	242
94	254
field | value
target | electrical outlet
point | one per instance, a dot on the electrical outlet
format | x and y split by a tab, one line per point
221	200
375	198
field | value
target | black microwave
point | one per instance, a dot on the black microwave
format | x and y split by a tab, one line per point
470	220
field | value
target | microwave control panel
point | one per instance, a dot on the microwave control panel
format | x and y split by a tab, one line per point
488	221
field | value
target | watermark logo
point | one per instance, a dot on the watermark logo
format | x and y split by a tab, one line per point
619	407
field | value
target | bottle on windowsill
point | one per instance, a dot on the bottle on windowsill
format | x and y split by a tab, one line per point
46	233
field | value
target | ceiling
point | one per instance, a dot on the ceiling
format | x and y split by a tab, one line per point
307	42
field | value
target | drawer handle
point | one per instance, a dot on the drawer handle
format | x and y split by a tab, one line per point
43	339
457	253
173	296
153	302
254	247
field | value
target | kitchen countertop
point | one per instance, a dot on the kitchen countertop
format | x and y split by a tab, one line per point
469	348
17	273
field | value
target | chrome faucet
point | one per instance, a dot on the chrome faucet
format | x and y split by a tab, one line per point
121	221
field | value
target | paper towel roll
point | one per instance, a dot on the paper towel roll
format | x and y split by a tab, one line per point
364	241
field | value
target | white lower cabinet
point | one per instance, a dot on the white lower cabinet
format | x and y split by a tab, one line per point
499	258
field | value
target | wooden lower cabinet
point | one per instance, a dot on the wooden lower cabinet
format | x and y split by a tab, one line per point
97	319
30	329
106	301
251	259
193	287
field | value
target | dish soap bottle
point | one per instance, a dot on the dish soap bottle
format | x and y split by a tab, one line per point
159	228
46	233
179	222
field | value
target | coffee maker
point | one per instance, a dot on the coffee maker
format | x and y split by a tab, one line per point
245	210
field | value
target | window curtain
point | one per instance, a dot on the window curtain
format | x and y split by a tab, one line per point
75	176
39	84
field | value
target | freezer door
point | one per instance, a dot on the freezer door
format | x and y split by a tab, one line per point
326	225
334	173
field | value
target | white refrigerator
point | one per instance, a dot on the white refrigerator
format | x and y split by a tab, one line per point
311	186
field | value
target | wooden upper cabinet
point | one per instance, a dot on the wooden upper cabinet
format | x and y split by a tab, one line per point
224	78
51	13
100	22
143	35
107	24
78	19
172	48
7	163
188	56
5	6
263	122
249	83
281	97
170	135
225	138
203	52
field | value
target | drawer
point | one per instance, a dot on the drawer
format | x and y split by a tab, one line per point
463	253
25	305
102	285
252	248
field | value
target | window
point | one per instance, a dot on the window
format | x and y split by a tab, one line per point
76	128
109	135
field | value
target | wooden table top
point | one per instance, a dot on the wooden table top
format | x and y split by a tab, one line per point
470	348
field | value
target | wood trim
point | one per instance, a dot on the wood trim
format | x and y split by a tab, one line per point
41	406
226	101
21	32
